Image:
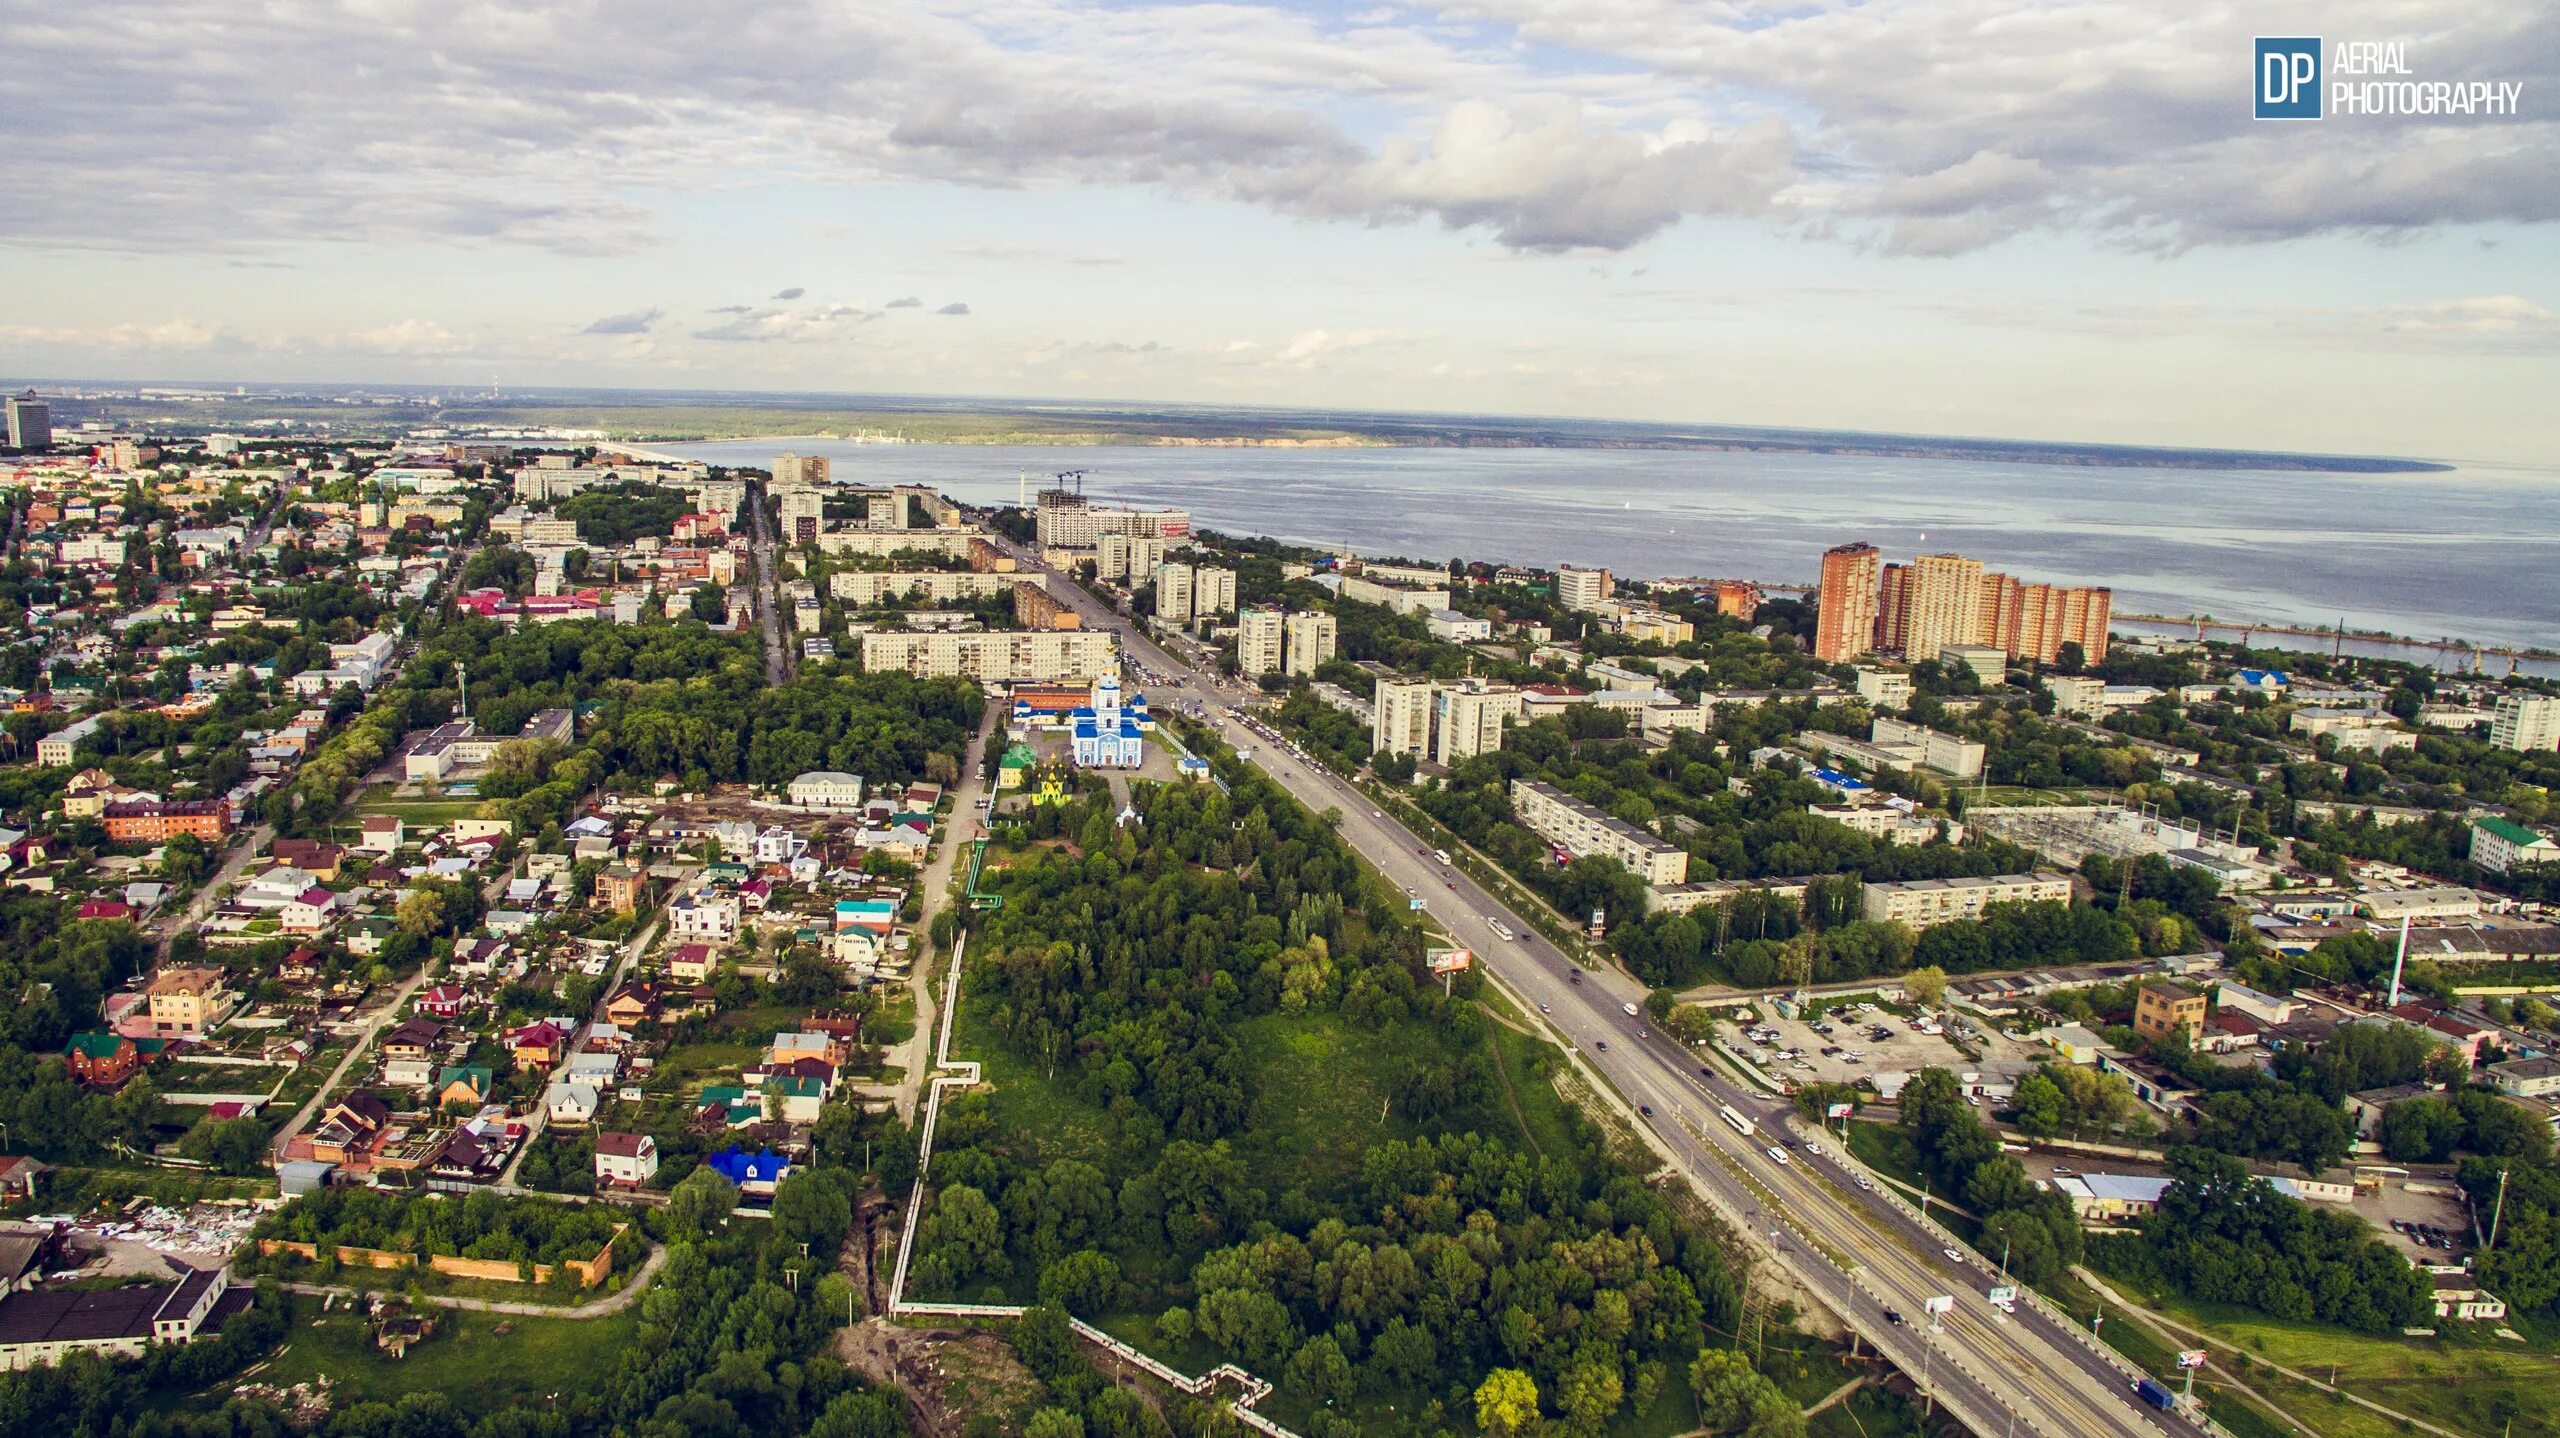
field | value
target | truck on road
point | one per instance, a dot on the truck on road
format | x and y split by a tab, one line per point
2155	1393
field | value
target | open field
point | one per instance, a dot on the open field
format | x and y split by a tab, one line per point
467	1359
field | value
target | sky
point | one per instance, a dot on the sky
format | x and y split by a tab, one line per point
2016	219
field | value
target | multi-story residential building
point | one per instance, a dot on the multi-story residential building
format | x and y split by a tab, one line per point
145	821
1400	717
1922	902
1467	719
1737	599
30	422
1213	591
1845	623
2499	844
1310	635
1034	607
801	470
1936	600
1582	830
1066	520
801	513
1173	593
938	586
996	656
1258	641
1583	589
2529	723
1121	556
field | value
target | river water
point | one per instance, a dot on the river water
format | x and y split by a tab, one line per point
2473	552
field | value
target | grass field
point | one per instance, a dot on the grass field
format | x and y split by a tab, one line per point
2467	1380
417	811
480	1369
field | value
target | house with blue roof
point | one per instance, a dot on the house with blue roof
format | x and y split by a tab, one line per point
756	1174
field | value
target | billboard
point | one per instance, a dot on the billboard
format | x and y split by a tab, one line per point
1448	961
2003	1296
1940	1304
1840	1110
2193	1358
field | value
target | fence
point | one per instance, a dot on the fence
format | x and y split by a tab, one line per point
965	1073
590	1271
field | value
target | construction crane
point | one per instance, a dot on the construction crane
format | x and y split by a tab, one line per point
1075	474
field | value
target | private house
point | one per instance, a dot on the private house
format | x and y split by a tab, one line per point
756	1174
691	963
628	1160
318	859
106	1060
2109	1198
381	834
415	1038
706	915
569	1102
445	1001
632	1005
538	1045
185	1002
351	1131
463	1084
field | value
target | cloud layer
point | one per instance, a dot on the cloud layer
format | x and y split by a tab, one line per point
1922	127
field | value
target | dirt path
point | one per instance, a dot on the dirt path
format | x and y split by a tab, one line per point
1511	1096
915	1056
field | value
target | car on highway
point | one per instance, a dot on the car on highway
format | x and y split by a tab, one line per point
1630	1008
1603	1046
1542	1008
1893	1316
1866	1183
1777	1154
1577	976
1954	1255
1646	1109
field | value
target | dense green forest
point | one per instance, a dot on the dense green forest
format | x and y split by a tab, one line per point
1135	983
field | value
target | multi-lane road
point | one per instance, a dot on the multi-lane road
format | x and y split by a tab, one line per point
1855	1249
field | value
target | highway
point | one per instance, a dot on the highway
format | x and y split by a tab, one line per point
1856	1250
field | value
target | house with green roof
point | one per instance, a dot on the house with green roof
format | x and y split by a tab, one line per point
464	1083
102	1059
2499	844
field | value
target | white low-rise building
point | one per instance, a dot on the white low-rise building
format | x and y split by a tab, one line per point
826	789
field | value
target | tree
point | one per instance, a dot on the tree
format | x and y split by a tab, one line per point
702	1201
1081	1283
1319	1367
1506	1402
1926	987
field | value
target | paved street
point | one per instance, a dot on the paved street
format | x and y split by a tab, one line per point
1856	1250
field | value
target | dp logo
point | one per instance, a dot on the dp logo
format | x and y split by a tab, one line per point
2288	85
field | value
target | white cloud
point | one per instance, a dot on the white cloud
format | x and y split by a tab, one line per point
631	322
824	324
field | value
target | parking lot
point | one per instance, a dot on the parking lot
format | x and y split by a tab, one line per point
1848	1040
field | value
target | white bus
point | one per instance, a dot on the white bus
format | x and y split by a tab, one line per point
1734	1116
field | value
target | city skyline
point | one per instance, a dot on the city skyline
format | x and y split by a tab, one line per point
1796	216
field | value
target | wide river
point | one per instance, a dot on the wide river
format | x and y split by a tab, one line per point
2473	553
